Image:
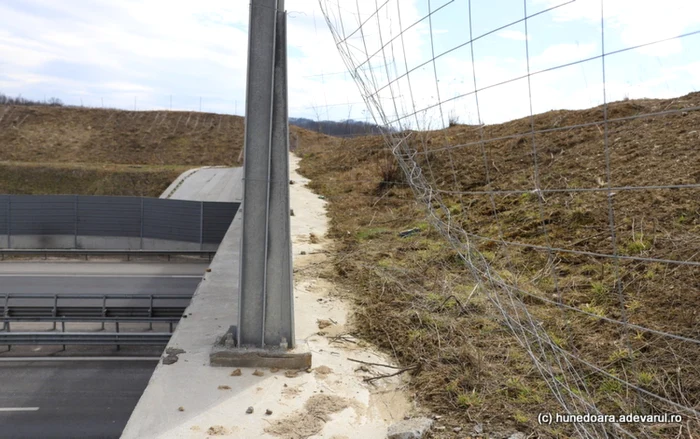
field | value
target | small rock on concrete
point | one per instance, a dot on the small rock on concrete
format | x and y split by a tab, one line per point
268	412
170	359
250	410
258	373
222	387
236	373
174	351
181	409
291	212
415	428
291	374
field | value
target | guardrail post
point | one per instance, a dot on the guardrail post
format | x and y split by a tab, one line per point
55	309
150	312
6	312
104	310
63	329
116	324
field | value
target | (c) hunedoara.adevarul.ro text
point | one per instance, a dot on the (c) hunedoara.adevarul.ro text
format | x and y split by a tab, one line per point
596	418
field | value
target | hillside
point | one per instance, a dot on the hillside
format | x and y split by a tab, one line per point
419	300
70	148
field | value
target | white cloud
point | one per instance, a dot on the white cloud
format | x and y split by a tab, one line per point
151	49
635	21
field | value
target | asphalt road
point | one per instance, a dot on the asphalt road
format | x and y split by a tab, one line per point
65	398
100	277
69	399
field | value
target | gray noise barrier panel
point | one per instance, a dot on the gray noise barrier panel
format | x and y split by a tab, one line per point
129	217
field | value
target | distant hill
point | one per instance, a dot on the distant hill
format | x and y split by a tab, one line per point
343	128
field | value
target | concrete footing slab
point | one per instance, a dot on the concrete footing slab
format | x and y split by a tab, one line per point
226	354
273	358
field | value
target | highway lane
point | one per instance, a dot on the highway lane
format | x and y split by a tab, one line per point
70	399
100	277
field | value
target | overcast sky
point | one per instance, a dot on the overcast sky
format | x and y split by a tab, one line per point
121	51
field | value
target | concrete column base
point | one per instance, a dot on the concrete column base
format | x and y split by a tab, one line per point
225	354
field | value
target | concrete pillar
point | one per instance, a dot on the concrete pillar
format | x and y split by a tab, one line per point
265	302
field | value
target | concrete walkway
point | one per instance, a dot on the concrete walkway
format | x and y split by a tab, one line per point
190	399
207	184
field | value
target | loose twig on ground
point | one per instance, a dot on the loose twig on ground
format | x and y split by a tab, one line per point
371	379
376	364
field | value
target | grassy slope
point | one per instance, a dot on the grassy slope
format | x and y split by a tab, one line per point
470	368
87	151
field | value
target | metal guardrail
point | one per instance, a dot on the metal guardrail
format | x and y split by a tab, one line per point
84	338
111	252
47	308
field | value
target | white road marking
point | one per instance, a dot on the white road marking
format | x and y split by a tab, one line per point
66	359
19	409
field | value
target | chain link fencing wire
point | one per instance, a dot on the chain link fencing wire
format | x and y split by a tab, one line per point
580	228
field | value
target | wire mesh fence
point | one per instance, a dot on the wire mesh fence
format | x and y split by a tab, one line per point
580	227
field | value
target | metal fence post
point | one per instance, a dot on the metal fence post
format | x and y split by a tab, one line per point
265	299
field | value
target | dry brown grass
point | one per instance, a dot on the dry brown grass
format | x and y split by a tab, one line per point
471	369
85	179
55	150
